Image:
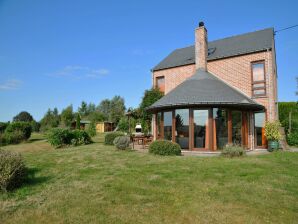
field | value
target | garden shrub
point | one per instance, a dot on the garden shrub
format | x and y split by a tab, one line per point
110	137
272	130
2	140
80	137
292	139
12	170
20	127
233	151
59	137
91	129
121	142
164	148
13	137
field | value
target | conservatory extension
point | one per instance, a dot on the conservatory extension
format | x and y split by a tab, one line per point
204	113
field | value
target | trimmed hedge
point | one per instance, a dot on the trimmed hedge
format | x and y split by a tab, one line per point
164	148
12	170
110	137
233	151
284	108
292	139
59	137
121	142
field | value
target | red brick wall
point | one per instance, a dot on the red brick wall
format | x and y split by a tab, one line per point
174	76
236	71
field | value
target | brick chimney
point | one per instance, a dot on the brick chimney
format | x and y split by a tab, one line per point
201	47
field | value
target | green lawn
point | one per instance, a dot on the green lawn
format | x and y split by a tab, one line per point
98	184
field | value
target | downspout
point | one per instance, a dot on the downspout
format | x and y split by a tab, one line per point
270	87
276	96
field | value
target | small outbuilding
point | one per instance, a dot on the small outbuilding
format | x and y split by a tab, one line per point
104	127
83	124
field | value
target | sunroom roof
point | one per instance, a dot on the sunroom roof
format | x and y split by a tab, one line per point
204	89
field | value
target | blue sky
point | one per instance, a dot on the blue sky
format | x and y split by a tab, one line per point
55	53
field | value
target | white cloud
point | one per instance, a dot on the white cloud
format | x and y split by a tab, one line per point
79	72
11	84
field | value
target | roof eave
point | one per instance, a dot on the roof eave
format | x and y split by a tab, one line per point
213	59
253	107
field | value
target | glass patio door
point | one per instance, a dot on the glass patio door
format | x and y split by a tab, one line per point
182	128
260	140
200	129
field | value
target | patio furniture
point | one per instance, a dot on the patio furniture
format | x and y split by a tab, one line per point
144	140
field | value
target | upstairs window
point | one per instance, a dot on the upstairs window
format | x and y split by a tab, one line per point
258	79
160	83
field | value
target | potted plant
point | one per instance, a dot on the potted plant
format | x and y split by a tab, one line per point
273	135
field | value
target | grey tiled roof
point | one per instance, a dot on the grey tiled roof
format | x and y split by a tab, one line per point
204	89
227	47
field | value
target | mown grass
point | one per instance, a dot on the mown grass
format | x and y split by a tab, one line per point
98	184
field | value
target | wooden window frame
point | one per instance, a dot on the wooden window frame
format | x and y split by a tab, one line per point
156	83
161	126
244	129
173	124
208	146
258	82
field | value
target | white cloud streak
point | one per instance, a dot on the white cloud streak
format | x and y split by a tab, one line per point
11	84
80	72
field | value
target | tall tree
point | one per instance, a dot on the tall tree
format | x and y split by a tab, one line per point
83	110
96	116
117	109
104	107
56	112
67	116
78	121
150	97
50	120
23	116
91	108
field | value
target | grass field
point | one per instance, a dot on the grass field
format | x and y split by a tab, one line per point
98	184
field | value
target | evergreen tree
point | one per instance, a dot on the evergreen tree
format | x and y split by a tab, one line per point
67	116
78	121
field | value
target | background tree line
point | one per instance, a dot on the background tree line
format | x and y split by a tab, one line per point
112	110
107	110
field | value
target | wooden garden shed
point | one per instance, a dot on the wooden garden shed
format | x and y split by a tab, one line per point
104	126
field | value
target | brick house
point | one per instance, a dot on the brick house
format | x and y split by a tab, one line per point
217	92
